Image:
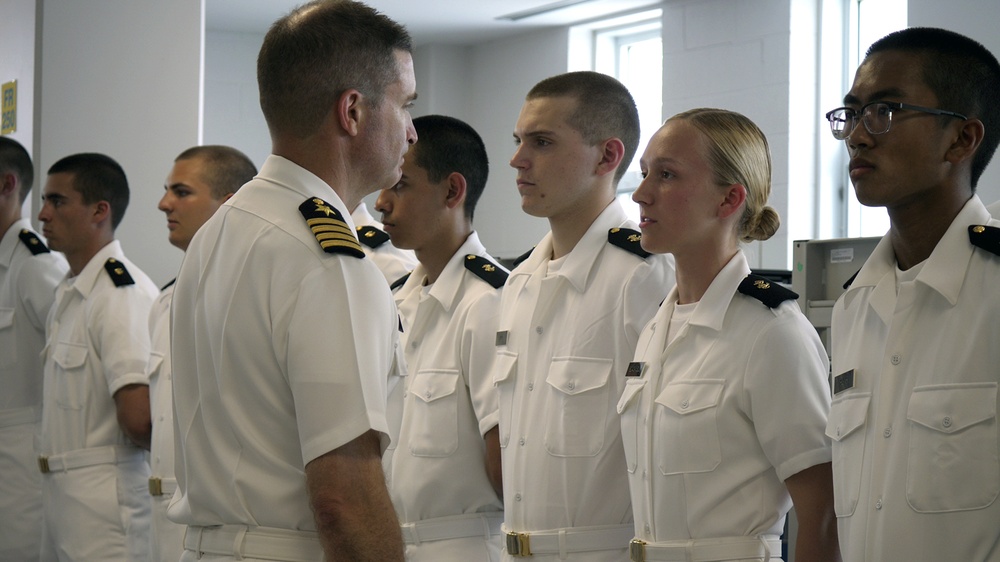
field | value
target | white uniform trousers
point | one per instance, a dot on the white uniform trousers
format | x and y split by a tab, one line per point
20	486
97	512
166	537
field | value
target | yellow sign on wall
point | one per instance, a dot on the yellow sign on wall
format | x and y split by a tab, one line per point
8	121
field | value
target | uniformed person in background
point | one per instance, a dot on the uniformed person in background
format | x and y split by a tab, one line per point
915	360
570	317
29	274
95	410
727	398
200	181
393	262
445	479
283	333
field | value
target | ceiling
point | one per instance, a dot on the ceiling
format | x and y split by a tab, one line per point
455	22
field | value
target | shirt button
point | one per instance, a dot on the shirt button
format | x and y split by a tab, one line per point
684	404
878	503
646	527
521	441
571	386
946	421
427	395
531	386
888	432
538	329
517	497
895	359
644	473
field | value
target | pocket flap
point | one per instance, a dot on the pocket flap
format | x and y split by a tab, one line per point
953	407
69	355
433	385
847	414
632	389
573	375
504	367
688	397
6	318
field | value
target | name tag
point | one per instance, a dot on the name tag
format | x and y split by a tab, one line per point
502	338
635	369
843	381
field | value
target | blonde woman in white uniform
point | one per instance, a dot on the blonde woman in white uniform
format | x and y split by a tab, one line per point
725	406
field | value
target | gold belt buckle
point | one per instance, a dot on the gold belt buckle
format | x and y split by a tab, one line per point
518	544
637	550
155	486
43	464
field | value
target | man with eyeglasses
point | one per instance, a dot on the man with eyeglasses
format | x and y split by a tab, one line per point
915	360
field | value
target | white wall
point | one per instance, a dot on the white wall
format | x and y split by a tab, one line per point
17	62
124	78
232	102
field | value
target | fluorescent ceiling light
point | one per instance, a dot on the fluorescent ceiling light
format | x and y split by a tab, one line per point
524	14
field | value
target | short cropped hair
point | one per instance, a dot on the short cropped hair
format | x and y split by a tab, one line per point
605	109
962	73
14	159
97	178
316	53
449	145
226	169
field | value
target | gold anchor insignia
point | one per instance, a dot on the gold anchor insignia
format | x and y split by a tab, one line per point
979	229
369	234
119	271
489	268
634	237
760	284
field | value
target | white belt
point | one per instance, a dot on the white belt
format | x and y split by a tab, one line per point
458	527
162	486
571	539
254	542
18	416
706	550
112	454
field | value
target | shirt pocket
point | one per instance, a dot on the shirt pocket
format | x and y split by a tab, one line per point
70	379
433	422
504	369
687	427
953	460
577	410
8	339
845	426
628	408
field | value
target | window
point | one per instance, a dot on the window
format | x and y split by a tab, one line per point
630	49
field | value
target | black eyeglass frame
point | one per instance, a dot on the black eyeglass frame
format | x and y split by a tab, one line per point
859	116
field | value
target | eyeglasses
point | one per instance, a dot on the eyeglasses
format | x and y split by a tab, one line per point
877	117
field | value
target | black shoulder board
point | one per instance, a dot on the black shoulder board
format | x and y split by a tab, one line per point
119	275
169	283
33	242
850	281
330	228
985	237
399	282
771	294
517	261
371	236
629	240
486	270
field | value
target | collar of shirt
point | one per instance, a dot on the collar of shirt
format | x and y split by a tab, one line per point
288	174
583	258
445	290
951	255
85	281
10	241
713	305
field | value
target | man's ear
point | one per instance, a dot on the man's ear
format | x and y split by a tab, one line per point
102	212
8	184
734	197
965	144
612	153
350	111
457	187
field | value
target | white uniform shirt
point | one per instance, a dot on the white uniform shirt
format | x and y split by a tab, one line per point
560	372
391	261
27	288
450	402
916	445
98	342
280	354
719	418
